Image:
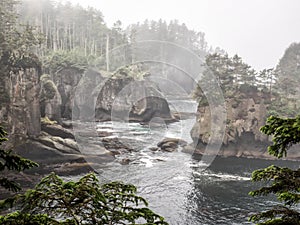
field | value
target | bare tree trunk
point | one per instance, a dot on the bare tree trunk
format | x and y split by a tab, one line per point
70	37
85	47
107	52
55	37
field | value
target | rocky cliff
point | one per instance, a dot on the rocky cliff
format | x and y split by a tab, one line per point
27	96
242	137
20	112
66	81
96	96
131	100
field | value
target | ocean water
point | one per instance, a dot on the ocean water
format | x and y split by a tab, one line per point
179	186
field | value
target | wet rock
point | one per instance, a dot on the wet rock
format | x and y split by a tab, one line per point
87	148
169	149
125	161
160	160
115	144
171	144
176	141
43	151
57	130
115	152
104	133
183	115
67	124
154	149
67	146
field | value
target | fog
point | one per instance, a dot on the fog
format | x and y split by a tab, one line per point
259	31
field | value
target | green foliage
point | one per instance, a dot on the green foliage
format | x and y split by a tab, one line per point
287	74
230	73
54	201
286	132
16	45
136	71
16	42
17	218
279	108
283	182
288	71
12	162
61	59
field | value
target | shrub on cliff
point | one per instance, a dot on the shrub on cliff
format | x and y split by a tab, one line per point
54	201
59	60
283	182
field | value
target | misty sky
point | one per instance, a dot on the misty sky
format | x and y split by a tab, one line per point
258	30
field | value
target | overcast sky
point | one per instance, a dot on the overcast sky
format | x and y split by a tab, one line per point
257	30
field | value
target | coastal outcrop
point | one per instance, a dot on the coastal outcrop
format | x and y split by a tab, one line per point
131	100
37	107
242	137
103	96
20	110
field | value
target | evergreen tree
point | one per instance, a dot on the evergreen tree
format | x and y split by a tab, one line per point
54	201
283	182
10	161
232	74
287	74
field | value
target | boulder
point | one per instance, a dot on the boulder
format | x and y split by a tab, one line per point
67	146
57	130
43	152
114	144
171	144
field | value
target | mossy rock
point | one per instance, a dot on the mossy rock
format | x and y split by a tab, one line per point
49	89
45	120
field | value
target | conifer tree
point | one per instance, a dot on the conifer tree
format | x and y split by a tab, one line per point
10	161
283	182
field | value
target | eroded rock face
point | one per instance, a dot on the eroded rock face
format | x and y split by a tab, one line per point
50	99
242	135
57	130
131	100
66	82
90	96
21	113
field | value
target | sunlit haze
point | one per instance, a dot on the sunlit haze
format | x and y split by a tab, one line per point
259	31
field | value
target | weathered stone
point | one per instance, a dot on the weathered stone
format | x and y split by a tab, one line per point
50	99
125	161
75	88
169	149
130	100
171	144
60	145
115	144
242	134
67	124
37	151
57	130
154	149
23	109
